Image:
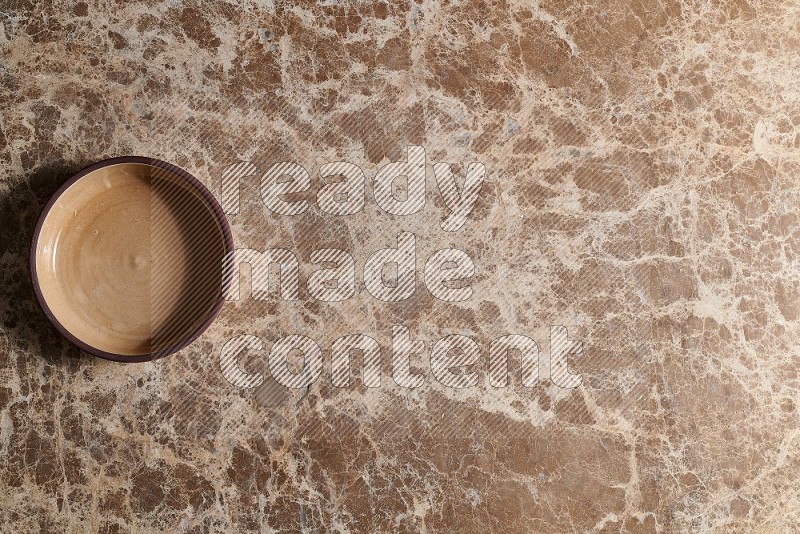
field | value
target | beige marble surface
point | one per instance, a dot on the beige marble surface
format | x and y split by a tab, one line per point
642	162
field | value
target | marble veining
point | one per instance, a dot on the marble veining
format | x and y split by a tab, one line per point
641	190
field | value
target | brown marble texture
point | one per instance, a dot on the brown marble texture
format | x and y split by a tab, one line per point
642	189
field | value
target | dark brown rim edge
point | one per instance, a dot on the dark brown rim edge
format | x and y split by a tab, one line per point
219	215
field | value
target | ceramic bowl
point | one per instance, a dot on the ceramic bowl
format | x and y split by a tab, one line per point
127	259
